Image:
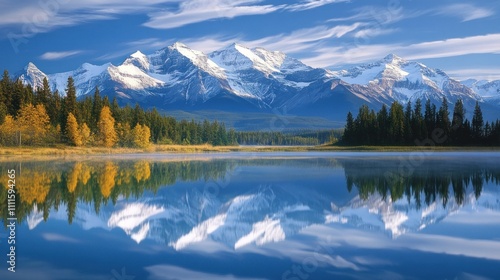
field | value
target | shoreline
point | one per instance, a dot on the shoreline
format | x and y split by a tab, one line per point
68	151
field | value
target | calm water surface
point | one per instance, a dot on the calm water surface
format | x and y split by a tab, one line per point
256	216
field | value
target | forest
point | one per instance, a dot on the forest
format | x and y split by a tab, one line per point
41	117
417	126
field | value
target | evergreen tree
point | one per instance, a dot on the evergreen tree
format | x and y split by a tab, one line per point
477	124
418	124
348	137
96	109
429	118
69	104
70	99
443	120
408	133
44	94
457	124
383	125
396	124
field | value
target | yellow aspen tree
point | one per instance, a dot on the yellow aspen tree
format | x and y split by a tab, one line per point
107	132
8	131
72	131
33	123
141	133
85	134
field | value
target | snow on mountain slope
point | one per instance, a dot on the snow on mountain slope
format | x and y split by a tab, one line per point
489	90
32	76
406	81
86	78
177	77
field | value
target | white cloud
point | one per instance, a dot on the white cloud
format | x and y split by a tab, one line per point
352	53
58	238
194	11
466	12
59	55
312	4
485	73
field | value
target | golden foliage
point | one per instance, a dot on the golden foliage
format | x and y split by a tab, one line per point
72	131
142	171
33	186
85	134
8	131
142	134
107	132
72	180
106	178
34	123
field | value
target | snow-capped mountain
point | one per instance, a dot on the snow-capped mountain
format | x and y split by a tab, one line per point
488	90
394	78
240	79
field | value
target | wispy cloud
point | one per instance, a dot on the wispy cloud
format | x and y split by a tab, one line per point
466	12
481	73
58	238
59	55
312	4
377	15
352	53
193	11
290	43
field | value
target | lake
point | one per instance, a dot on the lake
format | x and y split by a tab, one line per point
289	216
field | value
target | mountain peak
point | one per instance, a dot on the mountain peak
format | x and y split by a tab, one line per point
138	54
179	45
31	66
392	58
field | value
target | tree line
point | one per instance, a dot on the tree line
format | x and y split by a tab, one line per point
271	138
413	125
44	117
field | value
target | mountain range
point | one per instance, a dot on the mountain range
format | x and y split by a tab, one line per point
240	80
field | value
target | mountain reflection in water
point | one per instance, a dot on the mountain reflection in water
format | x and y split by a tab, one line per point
270	216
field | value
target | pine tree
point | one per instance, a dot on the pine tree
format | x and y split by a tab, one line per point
408	132
457	124
72	131
477	124
348	137
396	124
107	132
70	99
383	124
418	124
96	109
443	118
44	94
69	104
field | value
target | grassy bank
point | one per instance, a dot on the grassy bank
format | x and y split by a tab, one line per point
75	151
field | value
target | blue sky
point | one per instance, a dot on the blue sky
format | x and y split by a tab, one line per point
459	37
